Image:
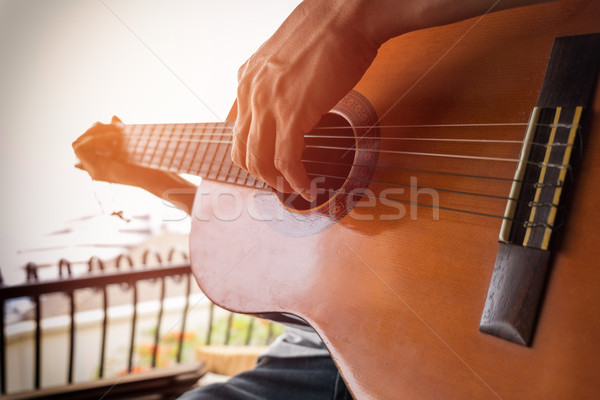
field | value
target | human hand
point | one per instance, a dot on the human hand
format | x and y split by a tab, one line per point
96	150
313	60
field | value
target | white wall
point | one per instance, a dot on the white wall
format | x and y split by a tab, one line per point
65	64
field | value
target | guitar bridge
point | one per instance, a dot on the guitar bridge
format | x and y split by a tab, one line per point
536	205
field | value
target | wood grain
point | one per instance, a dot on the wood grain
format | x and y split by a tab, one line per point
398	301
515	293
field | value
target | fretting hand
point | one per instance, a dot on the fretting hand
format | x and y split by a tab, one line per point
96	149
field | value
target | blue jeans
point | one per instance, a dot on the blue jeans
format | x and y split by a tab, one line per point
274	378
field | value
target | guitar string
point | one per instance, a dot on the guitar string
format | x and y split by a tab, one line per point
419	171
460	156
492	196
198	138
426	154
227	129
213	139
229	125
418	154
472	212
381	167
184	138
456	125
421	139
193	138
459	210
463	156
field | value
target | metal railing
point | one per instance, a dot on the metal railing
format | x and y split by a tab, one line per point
123	273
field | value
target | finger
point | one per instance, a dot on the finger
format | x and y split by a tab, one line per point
238	146
240	130
288	160
261	151
116	120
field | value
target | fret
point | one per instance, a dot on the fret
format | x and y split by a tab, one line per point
245	177
191	152
232	171
199	164
241	177
234	178
250	180
146	152
200	149
150	150
132	144
221	157
227	167
211	147
164	141
160	147
171	145
183	144
140	150
188	149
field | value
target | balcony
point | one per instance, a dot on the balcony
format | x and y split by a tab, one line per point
135	326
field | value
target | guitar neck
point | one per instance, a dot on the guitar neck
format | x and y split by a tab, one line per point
201	149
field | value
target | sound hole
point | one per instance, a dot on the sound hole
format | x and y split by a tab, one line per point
328	159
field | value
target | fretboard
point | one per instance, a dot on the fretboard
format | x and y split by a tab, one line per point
201	149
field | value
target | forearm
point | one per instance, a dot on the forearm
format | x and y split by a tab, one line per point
168	186
380	20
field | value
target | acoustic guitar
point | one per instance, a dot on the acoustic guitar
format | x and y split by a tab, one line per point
455	136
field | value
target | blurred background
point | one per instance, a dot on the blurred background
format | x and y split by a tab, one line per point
65	64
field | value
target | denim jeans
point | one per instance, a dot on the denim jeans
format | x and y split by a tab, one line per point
274	378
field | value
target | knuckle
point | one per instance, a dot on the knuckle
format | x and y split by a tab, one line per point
242	70
238	139
252	165
281	86
283	164
260	96
241	92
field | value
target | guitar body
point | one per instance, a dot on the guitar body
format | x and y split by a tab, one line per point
396	291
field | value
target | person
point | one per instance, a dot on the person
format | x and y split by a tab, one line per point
316	56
